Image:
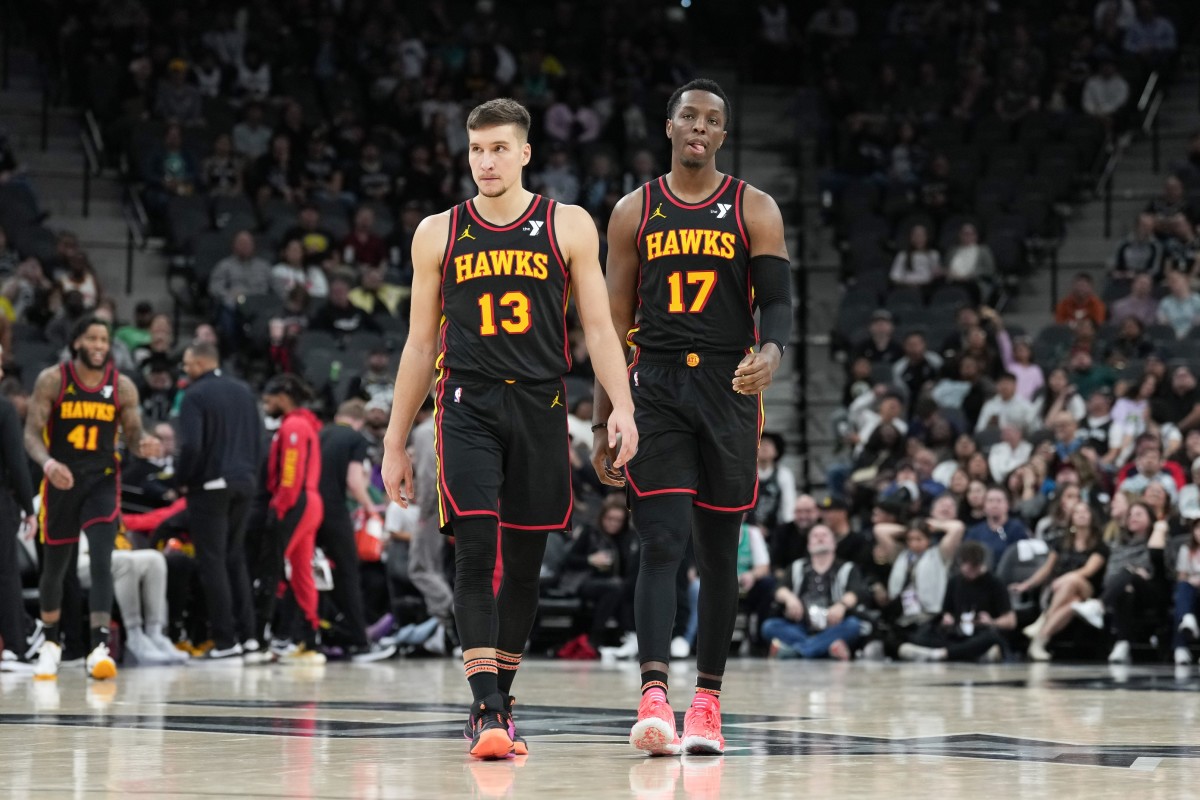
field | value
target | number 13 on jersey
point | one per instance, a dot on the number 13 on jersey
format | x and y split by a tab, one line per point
518	323
707	279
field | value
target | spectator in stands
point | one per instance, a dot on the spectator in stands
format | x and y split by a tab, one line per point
28	292
558	178
1105	95
918	264
369	178
153	479
158	390
998	531
1130	344
240	274
168	171
1140	304
253	82
776	486
1181	308
59	329
790	541
81	277
208	74
1149	463
602	565
964	388
1087	376
319	246
1122	12
1017	92
362	246
1180	403
880	346
1059	394
339	315
1074	573
916	586
376	296
276	174
137	334
1173	214
1080	303
975	611
1135	582
918	367
1009	453
819	597
832	28
293	271
1017	358
377	380
320	175
1140	253
177	100
221	172
1150	37
570	120
1187	595
971	264
251	136
1007	409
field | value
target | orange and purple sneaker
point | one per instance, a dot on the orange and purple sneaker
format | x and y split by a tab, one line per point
489	725
654	732
702	727
520	746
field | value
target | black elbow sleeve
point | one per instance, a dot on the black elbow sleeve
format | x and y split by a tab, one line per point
771	277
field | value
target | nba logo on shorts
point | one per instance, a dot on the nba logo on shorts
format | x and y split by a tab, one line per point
458	395
635	379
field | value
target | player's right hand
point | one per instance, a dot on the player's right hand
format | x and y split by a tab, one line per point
397	475
603	456
59	475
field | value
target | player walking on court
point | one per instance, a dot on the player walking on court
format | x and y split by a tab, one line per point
492	277
690	256
71	430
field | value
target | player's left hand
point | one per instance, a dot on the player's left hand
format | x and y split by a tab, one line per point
150	447
622	430
756	370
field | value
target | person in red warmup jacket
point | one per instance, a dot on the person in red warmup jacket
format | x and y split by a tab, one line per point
293	475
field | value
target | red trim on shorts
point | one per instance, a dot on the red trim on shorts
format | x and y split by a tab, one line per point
662	182
753	497
537	199
441	442
653	492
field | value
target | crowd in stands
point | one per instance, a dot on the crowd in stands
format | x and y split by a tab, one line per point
1005	493
286	152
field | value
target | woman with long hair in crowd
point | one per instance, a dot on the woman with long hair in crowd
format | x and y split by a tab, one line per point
1072	573
1059	395
1187	596
1057	521
1134	579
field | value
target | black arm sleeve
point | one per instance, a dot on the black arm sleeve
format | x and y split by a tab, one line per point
771	277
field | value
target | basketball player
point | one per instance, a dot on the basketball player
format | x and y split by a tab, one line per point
690	256
71	430
497	271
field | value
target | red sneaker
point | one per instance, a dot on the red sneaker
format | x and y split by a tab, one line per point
702	729
654	732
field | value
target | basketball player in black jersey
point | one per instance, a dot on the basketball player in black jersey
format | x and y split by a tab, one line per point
691	255
492	278
71	430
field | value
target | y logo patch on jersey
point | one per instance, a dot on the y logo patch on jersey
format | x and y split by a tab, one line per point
658	213
466	234
722	209
70	389
534	227
458	395
106	392
556	401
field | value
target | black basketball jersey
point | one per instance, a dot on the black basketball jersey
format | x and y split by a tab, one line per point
694	289
504	296
82	429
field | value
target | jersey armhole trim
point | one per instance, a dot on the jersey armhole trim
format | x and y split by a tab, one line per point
738	213
637	240
449	241
552	236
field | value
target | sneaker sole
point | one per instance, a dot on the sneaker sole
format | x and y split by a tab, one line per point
492	744
520	748
655	737
700	746
37	677
104	670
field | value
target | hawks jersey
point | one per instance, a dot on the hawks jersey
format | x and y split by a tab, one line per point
82	429
504	296
694	289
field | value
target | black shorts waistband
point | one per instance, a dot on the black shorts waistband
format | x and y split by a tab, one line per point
463	376
690	358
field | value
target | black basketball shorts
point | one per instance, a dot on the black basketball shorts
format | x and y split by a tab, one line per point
503	452
696	435
91	501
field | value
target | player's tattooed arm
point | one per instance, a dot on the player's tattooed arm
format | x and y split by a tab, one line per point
49	384
137	440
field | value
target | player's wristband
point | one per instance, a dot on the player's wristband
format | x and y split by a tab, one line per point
598	426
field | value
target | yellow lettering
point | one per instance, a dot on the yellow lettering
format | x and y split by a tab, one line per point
288	477
482	268
710	243
502	262
653	246
523	268
671	245
728	240
540	260
462	267
690	240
